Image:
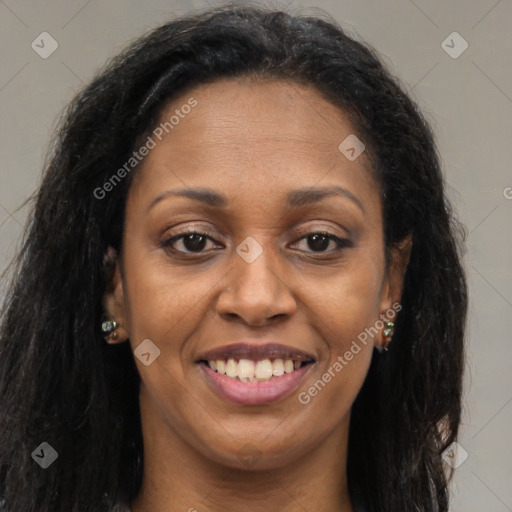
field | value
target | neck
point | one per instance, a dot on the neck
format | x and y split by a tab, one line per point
179	478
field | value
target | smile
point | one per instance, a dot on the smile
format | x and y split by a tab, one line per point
245	370
248	382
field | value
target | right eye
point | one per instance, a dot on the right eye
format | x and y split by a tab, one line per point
187	243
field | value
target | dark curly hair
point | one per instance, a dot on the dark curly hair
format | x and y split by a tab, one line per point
59	380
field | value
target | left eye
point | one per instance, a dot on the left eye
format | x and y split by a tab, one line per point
319	242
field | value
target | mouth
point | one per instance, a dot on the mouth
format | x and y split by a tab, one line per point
255	374
247	370
249	362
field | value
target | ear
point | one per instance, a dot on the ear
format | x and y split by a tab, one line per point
113	298
394	280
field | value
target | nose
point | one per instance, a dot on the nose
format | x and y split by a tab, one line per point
256	293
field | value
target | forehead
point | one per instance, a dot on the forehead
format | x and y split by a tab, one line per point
248	109
258	133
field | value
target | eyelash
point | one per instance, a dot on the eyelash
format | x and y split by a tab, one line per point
341	243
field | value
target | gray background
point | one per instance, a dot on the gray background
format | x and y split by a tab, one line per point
467	99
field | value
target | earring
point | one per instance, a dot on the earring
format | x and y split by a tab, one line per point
387	333
108	327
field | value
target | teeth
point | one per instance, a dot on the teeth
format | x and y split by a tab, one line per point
246	370
263	370
221	366
231	368
278	367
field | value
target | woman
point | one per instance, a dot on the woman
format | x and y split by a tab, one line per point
240	288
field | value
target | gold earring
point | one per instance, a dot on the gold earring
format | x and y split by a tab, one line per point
108	327
387	333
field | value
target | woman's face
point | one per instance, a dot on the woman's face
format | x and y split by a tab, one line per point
255	168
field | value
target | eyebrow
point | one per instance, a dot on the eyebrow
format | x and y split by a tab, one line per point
299	197
309	195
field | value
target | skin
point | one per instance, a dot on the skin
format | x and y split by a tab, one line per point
252	141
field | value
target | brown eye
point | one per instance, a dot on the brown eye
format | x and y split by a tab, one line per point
194	242
320	241
189	242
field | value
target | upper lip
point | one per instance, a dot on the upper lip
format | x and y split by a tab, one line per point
255	352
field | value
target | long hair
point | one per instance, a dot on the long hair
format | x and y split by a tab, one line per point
60	382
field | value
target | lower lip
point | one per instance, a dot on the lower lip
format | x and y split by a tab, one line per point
252	393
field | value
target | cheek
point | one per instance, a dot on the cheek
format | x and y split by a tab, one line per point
349	302
344	314
164	307
347	360
160	300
